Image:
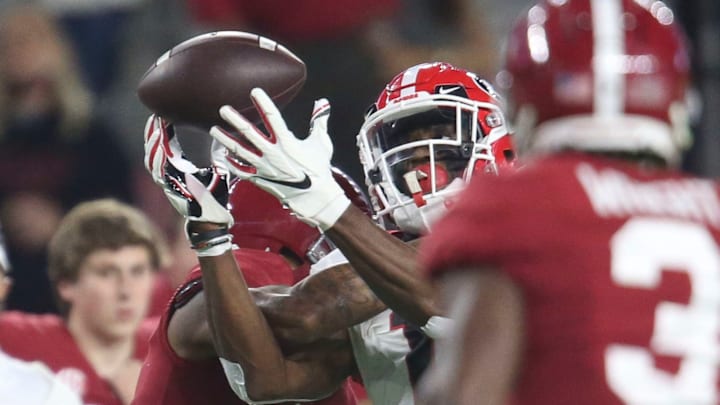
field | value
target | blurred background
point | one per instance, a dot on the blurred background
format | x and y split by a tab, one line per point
71	125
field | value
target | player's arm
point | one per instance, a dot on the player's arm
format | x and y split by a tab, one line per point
257	369
478	362
317	307
188	330
324	303
312	372
387	264
200	195
298	172
255	366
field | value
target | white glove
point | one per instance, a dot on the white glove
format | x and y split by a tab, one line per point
297	172
198	194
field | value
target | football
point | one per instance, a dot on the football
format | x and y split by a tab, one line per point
190	82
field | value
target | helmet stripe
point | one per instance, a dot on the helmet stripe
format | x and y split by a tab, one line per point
609	56
409	77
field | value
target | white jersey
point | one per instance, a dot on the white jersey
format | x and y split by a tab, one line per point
31	383
390	354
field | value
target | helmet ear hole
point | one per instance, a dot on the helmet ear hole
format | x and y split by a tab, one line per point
509	155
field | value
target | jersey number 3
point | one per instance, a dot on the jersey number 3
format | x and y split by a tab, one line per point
641	250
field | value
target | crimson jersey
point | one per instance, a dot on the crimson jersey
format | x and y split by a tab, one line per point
169	379
46	338
620	272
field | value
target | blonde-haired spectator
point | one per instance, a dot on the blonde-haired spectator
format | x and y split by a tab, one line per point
53	152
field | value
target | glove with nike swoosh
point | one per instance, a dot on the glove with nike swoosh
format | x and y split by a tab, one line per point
297	172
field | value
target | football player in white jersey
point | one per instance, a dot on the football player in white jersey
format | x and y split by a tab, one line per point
431	129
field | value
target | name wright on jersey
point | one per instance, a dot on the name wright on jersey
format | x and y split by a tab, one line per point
614	194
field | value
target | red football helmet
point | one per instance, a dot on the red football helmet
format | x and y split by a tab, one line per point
603	75
432	128
263	223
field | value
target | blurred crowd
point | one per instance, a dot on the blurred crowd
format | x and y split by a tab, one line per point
71	125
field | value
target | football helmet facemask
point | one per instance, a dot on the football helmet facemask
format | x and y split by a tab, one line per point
431	129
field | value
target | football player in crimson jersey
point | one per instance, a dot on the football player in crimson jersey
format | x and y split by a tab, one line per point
308	320
431	129
102	259
276	250
592	276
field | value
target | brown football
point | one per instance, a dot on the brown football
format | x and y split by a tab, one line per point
190	82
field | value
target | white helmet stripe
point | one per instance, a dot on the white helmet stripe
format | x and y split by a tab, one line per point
410	76
609	56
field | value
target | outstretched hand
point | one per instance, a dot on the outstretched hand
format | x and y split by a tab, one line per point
297	172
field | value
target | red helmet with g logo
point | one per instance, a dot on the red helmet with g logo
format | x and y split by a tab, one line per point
432	127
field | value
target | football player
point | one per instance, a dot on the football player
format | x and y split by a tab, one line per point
431	129
592	276
276	250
